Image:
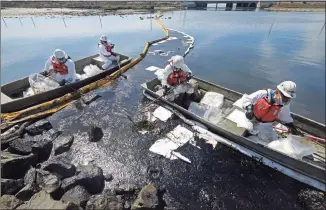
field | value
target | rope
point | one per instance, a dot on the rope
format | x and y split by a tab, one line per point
50	107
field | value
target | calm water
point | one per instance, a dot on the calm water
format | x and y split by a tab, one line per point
232	49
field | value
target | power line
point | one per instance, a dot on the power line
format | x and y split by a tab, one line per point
20	21
5	22
33	22
322	29
270	29
64	21
100	20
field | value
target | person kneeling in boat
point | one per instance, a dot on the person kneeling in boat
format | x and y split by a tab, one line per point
106	52
264	107
60	68
176	75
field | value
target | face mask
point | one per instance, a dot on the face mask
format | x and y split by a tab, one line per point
282	100
286	101
61	60
176	69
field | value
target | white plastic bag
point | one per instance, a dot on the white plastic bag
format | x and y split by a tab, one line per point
213	115
28	92
239	117
265	132
159	73
213	99
239	102
40	83
91	70
198	109
81	76
295	146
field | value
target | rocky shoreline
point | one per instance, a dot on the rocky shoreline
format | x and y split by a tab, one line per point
37	174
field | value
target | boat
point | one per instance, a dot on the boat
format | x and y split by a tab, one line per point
12	98
308	170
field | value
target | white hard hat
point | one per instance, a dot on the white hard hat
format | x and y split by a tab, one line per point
103	38
288	89
177	61
59	54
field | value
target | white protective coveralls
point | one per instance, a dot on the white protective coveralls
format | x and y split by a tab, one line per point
71	77
264	131
178	62
106	57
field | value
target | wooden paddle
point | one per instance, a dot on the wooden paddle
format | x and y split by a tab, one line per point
118	61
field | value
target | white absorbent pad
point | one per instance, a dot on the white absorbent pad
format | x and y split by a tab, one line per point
213	99
295	146
162	113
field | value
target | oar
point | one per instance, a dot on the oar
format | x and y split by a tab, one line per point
118	61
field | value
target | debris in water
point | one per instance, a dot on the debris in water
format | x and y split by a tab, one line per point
180	135
174	139
162	114
143	132
172	38
154	172
152	68
95	133
161	42
145	125
177	154
164	147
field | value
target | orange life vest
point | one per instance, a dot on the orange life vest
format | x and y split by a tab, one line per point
60	68
107	47
266	111
176	77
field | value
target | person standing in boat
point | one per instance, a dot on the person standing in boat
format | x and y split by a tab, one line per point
106	52
264	107
61	68
176	75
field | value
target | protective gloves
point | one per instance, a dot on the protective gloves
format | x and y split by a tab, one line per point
189	76
249	112
62	82
46	73
165	89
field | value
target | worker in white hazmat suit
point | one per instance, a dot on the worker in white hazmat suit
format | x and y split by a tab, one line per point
264	107
61	68
106	53
176	75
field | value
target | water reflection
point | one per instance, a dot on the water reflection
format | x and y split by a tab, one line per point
74	26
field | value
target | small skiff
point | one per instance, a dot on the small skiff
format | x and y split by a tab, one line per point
12	98
311	169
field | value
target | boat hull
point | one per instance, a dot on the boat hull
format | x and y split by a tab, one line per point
17	87
305	168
